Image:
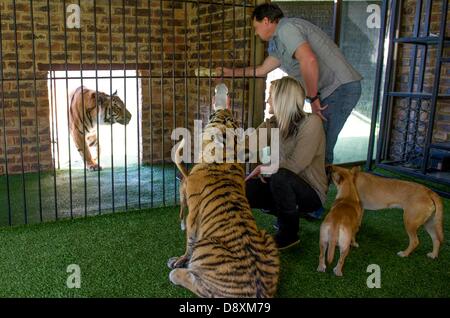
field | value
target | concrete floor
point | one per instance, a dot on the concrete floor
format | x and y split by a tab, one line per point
65	195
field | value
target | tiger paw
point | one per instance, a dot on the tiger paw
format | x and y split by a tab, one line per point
95	167
176	262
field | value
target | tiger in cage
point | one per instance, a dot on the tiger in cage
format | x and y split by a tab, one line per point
83	120
226	255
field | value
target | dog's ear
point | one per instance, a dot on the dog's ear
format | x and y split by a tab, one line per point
356	169
337	176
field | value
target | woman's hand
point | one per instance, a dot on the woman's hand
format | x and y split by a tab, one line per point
256	173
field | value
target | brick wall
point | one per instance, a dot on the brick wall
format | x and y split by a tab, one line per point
410	123
171	39
216	35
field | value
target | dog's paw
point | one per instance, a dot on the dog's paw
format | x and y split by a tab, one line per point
402	254
432	255
321	268
354	244
337	271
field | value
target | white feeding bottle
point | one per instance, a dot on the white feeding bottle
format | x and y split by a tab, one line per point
221	92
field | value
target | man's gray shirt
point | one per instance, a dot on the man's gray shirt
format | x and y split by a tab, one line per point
334	70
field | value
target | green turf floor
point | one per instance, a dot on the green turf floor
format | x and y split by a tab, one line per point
125	254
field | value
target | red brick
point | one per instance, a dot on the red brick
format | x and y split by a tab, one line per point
87	46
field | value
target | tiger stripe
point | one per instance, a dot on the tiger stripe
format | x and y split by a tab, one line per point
226	255
83	119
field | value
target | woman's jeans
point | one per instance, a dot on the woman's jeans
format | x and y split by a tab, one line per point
340	105
286	195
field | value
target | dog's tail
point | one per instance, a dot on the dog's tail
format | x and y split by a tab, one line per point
333	233
178	159
438	215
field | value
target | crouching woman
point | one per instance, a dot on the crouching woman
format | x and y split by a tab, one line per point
300	184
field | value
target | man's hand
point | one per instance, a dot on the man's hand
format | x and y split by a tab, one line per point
317	108
256	173
223	71
269	64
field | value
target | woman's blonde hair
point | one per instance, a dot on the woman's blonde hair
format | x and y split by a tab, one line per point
288	99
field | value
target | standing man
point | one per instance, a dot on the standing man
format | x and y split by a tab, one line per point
305	52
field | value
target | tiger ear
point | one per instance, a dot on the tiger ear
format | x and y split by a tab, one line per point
91	105
101	97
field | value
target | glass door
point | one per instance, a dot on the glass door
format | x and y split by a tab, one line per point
359	36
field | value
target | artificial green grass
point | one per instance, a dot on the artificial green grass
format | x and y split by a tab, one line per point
125	255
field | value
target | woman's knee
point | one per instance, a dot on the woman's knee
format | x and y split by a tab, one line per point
281	180
280	176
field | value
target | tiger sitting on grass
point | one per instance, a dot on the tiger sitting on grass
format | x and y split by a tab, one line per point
83	120
226	255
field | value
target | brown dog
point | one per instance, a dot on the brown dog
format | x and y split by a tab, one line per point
342	222
420	206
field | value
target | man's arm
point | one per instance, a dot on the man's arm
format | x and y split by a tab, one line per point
269	64
309	67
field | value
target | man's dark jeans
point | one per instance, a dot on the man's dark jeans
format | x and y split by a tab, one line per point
340	105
